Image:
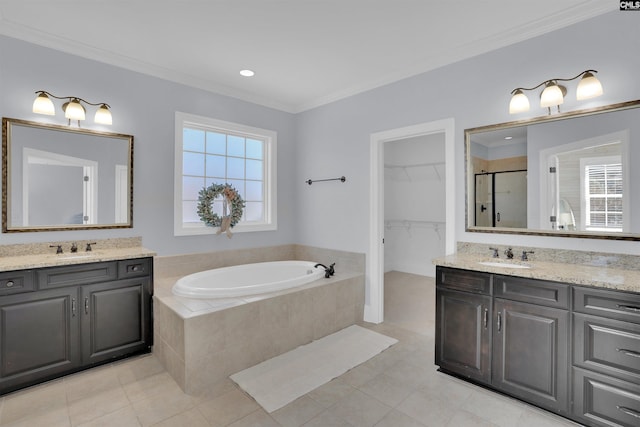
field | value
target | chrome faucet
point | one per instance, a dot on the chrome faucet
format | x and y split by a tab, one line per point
509	253
328	271
58	248
495	252
524	256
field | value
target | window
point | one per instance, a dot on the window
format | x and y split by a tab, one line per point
603	193
209	151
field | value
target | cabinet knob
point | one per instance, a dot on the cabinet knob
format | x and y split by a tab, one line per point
10	284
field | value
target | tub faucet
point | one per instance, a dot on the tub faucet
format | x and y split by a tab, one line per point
328	271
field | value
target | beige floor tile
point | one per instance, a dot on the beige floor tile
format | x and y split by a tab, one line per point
331	392
489	406
162	406
33	401
297	412
125	417
327	419
137	369
532	417
427	409
90	382
360	410
150	387
97	405
398	419
258	418
191	418
386	389
466	419
58	417
225	409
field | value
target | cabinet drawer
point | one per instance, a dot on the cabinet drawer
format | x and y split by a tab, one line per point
134	268
602	401
550	294
603	302
464	280
13	282
81	274
608	346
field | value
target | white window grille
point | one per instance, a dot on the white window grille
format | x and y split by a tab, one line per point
209	151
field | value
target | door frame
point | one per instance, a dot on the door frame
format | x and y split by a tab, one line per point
374	303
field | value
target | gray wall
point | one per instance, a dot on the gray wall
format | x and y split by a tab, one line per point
325	142
144	107
335	139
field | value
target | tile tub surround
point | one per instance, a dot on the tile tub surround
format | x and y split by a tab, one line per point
35	255
605	270
201	342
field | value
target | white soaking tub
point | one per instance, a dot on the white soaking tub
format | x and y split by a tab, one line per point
247	279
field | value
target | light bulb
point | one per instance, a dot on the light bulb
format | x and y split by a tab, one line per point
103	115
589	87
519	102
551	95
43	105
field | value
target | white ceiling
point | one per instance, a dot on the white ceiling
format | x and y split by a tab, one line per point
305	53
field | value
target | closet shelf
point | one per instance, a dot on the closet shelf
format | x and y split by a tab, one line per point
409	224
404	168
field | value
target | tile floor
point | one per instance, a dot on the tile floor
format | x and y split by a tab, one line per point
398	388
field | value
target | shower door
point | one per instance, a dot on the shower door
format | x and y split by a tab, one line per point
501	199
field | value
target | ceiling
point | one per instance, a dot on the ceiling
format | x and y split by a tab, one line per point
305	53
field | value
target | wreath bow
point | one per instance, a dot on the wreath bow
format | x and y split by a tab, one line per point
232	207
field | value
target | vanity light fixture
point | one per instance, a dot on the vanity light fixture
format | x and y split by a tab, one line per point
73	108
553	93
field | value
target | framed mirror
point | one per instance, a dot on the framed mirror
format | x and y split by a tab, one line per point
569	175
61	178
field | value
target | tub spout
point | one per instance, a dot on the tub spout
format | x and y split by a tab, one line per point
328	271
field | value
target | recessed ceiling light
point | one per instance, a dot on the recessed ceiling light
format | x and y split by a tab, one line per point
247	73
508	137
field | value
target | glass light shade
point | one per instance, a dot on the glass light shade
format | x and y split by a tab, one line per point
589	87
103	115
73	110
43	105
551	96
519	103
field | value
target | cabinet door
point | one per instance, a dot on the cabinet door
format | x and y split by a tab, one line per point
115	319
530	353
39	336
463	334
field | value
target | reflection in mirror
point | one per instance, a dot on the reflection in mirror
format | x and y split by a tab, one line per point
565	175
61	178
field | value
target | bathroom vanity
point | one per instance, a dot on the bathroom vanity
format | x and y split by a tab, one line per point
57	319
571	347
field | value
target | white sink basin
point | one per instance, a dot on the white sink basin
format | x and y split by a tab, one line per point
503	264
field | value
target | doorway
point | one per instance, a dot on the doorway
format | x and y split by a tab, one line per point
374	304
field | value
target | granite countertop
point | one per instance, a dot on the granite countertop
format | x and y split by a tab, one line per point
23	262
579	274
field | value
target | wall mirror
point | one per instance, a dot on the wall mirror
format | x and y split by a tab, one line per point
61	178
569	175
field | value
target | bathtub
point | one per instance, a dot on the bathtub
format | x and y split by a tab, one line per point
247	279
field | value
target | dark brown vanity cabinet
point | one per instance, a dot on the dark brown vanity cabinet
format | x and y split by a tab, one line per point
530	357
606	357
463	332
73	317
573	350
508	333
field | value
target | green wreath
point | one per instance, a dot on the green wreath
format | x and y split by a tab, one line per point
206	197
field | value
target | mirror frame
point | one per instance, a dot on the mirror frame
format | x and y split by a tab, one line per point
536	120
6	150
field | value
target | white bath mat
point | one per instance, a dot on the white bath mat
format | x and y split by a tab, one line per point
276	382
